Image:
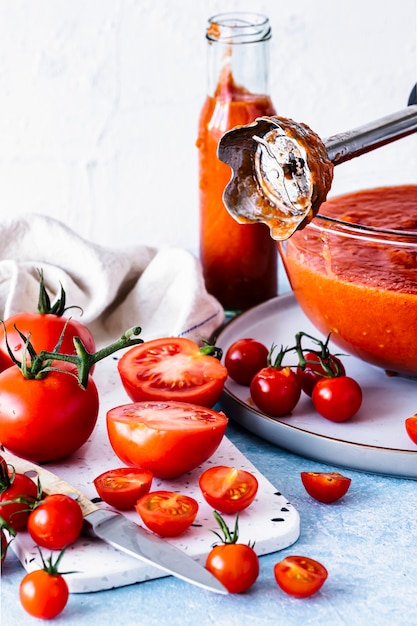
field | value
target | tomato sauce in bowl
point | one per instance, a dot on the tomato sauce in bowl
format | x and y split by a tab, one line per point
353	271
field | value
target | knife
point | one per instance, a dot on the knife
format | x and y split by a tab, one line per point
120	532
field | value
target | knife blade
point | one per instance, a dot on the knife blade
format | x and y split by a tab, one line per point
120	532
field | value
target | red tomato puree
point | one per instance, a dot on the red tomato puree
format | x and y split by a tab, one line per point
362	291
239	260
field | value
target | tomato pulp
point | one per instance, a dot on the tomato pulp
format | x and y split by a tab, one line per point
239	260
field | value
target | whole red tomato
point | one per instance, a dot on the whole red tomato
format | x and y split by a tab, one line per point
44	593
167	513
244	358
44	328
48	418
227	489
337	399
123	486
275	390
325	486
166	438
56	522
18	493
411	427
300	576
173	368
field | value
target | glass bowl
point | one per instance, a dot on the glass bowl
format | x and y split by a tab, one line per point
353	271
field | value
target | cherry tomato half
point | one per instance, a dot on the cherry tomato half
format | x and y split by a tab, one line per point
411	427
56	522
122	487
227	489
244	358
275	390
337	399
166	438
325	486
235	565
167	513
42	594
172	368
300	576
314	371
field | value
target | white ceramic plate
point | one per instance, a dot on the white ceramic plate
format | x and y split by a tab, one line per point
374	440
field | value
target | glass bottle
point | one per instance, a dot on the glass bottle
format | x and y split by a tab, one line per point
239	260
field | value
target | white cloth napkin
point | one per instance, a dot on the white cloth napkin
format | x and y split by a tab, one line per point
160	290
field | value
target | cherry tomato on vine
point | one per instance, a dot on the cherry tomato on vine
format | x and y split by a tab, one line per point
275	390
244	358
167	513
44	593
300	576
227	489
172	368
18	493
56	522
44	328
4	541
337	399
325	486
315	369
235	565
122	487
166	438
411	427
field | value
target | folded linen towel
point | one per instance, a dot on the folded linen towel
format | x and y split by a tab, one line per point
160	290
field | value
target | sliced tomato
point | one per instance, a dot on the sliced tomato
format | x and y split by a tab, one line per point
325	486
411	427
167	513
172	368
166	438
300	576
122	487
227	489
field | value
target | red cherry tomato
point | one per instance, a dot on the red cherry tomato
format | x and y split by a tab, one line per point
44	593
167	513
48	418
411	427
325	486
166	438
235	565
15	486
300	576
122	487
172	368
56	522
313	371
337	399
244	359
275	390
227	489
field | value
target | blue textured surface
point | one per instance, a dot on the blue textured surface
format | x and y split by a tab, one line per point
367	541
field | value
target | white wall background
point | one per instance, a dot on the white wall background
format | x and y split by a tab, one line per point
99	102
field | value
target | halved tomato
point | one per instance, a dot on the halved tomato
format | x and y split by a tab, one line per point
167	513
325	486
166	438
300	576
173	368
411	427
227	489
122	487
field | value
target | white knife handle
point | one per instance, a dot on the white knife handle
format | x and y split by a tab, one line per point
50	482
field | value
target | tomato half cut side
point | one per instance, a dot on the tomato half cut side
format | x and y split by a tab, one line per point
300	576
167	513
166	438
172	368
122	487
227	489
325	486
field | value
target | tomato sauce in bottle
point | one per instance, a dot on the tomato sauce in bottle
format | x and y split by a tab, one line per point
239	260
